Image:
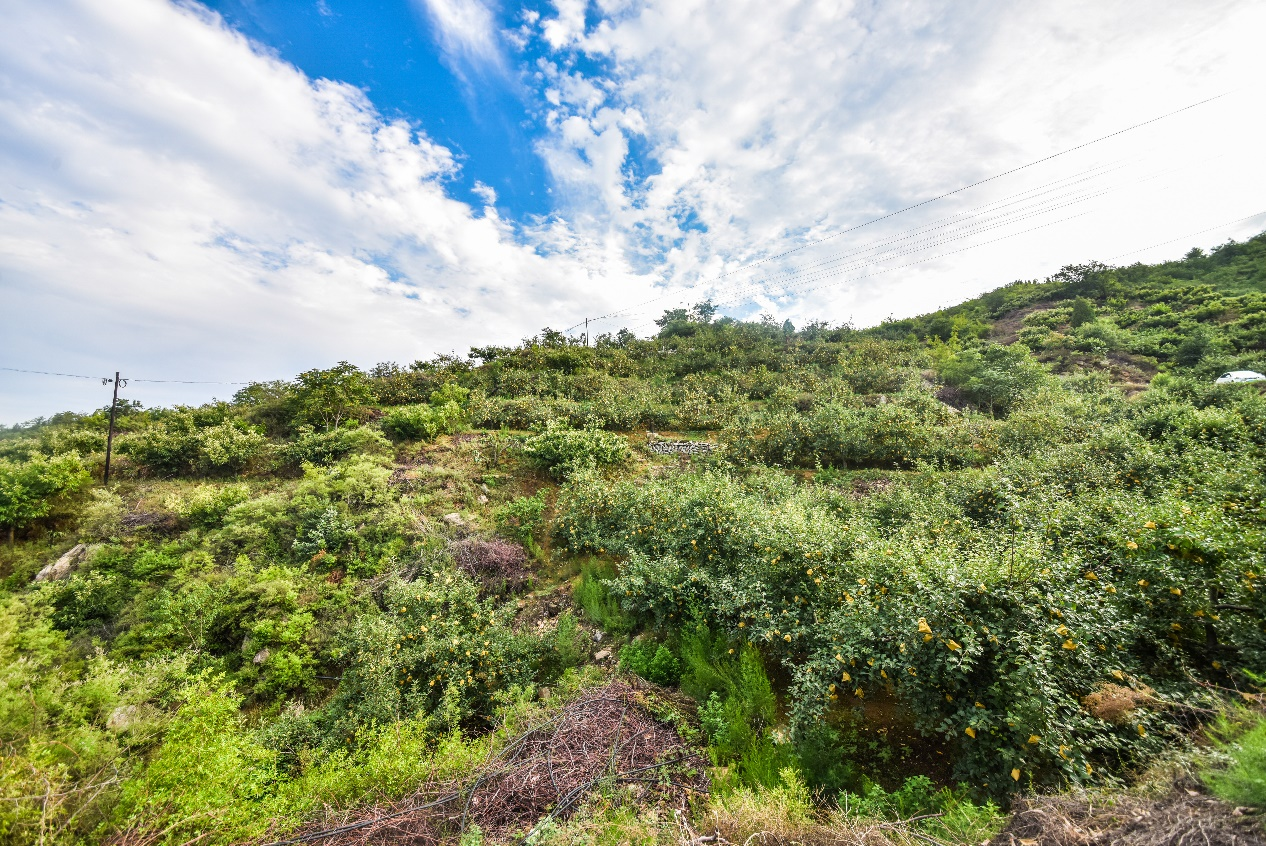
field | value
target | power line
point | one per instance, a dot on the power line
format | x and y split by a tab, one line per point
969	227
107	378
799	278
919	204
913	263
1189	235
905	235
49	373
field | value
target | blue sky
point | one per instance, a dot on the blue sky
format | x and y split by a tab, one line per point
392	51
244	189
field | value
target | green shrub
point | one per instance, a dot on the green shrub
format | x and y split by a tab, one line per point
563	452
102	518
30	489
522	518
178	445
949	814
313	447
652	661
436	645
423	422
992	376
910	592
595	599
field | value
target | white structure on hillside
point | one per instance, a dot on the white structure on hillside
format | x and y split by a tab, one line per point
1239	376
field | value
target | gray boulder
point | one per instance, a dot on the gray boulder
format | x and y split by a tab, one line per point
64	566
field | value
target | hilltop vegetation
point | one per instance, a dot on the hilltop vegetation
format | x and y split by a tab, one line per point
1011	546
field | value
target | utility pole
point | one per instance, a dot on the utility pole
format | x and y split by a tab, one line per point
586	331
114	404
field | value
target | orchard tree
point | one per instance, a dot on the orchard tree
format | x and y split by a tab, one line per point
329	397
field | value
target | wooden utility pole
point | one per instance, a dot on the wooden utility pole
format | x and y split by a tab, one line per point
114	404
586	331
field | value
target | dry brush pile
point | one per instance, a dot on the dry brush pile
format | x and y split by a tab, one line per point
604	740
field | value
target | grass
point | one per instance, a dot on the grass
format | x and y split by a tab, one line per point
1243	781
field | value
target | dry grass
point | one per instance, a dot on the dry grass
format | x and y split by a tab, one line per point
1184	817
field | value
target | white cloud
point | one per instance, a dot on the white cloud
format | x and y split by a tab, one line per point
777	123
467	34
568	25
176	204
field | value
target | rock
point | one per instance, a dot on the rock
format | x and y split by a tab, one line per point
483	500
544	694
64	566
121	718
453	519
261	656
602	655
597	637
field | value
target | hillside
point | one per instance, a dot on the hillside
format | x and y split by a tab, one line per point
1005	549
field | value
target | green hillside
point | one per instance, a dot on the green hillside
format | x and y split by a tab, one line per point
1007	548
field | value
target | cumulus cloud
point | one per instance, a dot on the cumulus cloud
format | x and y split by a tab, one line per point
770	125
177	203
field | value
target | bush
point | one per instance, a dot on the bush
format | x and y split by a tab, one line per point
992	376
177	445
103	517
30	489
652	661
436	645
599	605
522	518
315	447
423	422
908	594
564	452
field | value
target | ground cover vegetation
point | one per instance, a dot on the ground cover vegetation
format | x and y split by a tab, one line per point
1004	549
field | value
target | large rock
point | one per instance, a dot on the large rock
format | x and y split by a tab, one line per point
64	566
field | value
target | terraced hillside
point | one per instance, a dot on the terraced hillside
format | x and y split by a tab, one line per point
1004	549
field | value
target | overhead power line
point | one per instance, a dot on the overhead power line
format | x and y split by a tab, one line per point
913	206
795	280
107	378
924	260
1190	234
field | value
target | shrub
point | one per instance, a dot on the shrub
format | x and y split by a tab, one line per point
177	445
423	422
498	565
328	447
992	376
599	605
30	489
103	517
522	518
207	505
1092	586
435	644
564	452
652	661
